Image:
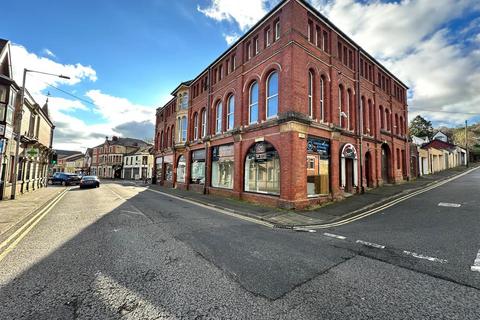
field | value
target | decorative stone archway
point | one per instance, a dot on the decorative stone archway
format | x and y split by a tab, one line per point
349	167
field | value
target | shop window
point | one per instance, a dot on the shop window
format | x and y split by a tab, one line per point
318	165
262	169
253	103
168	169
198	167
223	166
181	169
272	95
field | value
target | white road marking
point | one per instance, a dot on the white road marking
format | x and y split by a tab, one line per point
138	211
370	244
389	204
331	235
304	230
476	263
450	205
421	256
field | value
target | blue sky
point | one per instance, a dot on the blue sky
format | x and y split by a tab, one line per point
127	56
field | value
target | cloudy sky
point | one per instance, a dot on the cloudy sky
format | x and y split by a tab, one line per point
125	57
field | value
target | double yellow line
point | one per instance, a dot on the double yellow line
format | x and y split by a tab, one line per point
13	240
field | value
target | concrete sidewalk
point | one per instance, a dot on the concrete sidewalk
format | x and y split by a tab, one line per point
331	212
15	212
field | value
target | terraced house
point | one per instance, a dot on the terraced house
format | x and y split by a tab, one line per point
293	114
35	131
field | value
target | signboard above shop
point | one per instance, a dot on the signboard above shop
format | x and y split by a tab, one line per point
318	145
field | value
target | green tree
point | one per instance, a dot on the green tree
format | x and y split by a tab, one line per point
421	127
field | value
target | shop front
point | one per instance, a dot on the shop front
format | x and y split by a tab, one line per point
223	166
318	167
197	167
262	169
168	167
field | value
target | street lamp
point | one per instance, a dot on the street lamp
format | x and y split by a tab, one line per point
18	120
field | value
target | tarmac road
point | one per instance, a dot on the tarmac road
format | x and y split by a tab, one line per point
127	252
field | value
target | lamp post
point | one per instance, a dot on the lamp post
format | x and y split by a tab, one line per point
18	124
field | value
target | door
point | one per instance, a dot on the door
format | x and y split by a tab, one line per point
349	175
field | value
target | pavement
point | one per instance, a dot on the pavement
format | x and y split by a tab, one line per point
329	213
124	251
14	212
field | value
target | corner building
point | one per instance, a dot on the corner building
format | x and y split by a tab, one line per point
292	115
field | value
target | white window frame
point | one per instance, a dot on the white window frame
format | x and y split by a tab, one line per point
348	109
272	96
249	51
309	33
267	35
195	127
277	30
251	104
218	117
204	123
340	104
310	94
184	129
322	99
257	48
230	112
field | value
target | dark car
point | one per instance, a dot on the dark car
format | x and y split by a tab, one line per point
63	178
89	182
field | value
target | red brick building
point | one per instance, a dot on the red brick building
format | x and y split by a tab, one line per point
293	114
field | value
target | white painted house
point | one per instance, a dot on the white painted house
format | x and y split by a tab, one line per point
138	165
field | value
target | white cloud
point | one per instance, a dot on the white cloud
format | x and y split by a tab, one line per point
231	38
71	132
49	53
119	110
245	13
21	59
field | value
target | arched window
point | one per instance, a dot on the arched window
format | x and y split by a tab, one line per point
322	97
172	133
161	140
168	138
181	169
184	129
342	113
372	117
348	109
310	93
382	118
272	95
218	115
204	123
387	117
195	126
366	127
262	169
231	112
253	103
397	128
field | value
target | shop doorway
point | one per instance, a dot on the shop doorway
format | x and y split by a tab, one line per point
349	168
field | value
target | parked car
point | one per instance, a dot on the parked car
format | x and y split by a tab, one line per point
89	181
65	179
